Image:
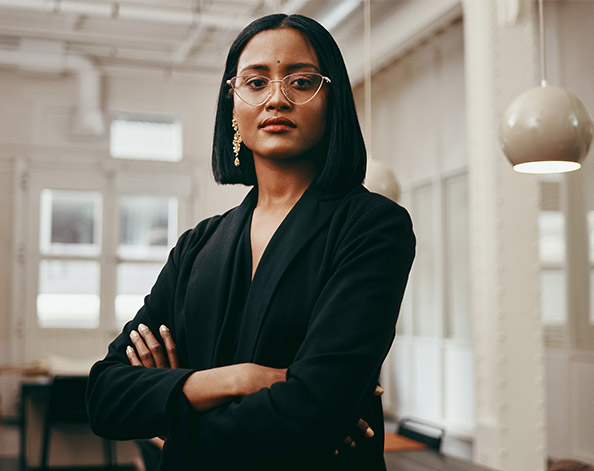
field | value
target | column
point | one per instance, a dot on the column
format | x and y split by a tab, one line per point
501	61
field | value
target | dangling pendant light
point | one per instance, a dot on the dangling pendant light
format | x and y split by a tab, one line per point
546	129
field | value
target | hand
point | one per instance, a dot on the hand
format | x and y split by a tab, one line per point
363	426
148	351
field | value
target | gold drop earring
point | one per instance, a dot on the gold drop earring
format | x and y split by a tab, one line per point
236	142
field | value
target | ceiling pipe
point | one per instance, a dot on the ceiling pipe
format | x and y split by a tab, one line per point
129	12
50	58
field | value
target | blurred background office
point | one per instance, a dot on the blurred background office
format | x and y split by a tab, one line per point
106	121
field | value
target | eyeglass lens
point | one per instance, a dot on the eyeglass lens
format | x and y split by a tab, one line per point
298	88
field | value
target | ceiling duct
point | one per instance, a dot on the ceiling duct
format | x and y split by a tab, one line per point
46	57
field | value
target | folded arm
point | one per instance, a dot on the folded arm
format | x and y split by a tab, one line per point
336	369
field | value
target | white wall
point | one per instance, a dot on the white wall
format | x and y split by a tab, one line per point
419	129
418	124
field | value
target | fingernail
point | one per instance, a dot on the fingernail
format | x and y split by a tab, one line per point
142	327
164	329
336	452
380	390
369	432
129	350
133	334
353	444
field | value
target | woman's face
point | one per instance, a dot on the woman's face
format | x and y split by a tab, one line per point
275	54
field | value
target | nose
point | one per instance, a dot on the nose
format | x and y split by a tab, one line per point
276	97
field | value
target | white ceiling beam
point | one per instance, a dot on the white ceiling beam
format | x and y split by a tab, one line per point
196	35
108	39
131	12
394	34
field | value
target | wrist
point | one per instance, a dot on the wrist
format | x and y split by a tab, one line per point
235	380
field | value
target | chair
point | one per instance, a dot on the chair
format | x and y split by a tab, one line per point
67	405
151	454
421	431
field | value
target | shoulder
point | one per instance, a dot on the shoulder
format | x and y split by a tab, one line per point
197	236
365	210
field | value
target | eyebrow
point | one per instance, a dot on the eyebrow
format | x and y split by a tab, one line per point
290	67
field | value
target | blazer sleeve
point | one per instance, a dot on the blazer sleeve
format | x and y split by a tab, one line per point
337	366
125	401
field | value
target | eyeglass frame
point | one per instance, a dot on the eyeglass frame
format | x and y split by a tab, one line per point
270	82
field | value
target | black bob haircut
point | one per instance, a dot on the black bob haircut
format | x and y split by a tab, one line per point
344	163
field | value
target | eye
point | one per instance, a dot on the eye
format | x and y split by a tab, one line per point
302	81
256	82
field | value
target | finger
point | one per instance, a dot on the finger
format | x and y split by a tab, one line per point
350	442
154	346
365	428
142	350
378	390
170	346
132	358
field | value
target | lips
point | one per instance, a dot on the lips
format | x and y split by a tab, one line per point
277	123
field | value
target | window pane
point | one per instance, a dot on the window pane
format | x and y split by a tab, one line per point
135	281
552	293
146	139
591	238
148	226
68	294
70	222
457	282
551	226
425	312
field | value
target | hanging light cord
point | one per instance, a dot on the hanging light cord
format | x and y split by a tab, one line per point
367	68
543	58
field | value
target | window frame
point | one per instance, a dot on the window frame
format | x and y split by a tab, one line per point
172	181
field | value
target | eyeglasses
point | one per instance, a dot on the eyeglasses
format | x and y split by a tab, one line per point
299	88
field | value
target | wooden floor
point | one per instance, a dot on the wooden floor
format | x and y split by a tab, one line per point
427	460
416	460
413	460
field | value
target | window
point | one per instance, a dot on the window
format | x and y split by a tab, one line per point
148	228
76	250
143	138
441	271
591	247
69	271
551	222
457	256
425	304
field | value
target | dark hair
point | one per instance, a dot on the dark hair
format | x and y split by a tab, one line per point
344	164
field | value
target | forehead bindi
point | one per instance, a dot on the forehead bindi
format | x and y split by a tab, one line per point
279	49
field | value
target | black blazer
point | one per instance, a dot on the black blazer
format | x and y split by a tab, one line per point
323	303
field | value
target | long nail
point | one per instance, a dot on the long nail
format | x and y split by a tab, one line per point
134	334
369	432
143	328
164	329
129	350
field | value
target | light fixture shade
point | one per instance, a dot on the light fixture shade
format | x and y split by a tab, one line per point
546	130
380	179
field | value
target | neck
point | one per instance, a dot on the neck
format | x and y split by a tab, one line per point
281	183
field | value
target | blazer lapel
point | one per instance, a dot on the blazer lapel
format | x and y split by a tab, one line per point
208	302
308	216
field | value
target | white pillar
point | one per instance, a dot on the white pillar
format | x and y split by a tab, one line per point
501	55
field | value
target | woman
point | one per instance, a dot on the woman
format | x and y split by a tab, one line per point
284	308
